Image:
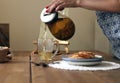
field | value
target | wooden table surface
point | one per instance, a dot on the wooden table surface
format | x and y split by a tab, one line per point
18	71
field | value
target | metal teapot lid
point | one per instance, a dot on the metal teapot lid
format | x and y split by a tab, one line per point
48	17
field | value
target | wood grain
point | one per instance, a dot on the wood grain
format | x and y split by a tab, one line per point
52	75
17	71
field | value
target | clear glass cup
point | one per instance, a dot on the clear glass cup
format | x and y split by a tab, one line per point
46	48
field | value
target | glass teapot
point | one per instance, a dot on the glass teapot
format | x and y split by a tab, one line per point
60	25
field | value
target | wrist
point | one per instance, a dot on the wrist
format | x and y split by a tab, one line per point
78	2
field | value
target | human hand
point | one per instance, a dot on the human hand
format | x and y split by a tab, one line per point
58	5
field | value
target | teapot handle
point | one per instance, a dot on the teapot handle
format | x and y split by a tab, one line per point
57	48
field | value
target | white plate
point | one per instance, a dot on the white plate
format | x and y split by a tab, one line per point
83	63
79	61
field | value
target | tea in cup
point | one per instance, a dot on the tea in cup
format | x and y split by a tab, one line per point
46	48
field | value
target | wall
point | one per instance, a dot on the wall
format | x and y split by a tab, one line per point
84	36
23	17
101	41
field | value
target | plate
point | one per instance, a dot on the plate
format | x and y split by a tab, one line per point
80	61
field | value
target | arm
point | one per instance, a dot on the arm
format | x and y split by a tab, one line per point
102	5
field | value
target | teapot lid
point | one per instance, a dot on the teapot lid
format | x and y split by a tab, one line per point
48	17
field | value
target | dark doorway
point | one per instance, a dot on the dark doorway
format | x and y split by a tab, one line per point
4	35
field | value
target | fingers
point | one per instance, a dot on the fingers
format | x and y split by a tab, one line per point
55	5
60	7
51	7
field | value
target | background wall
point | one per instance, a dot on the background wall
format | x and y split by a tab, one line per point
101	42
23	17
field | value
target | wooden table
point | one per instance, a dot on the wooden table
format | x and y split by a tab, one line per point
18	71
52	75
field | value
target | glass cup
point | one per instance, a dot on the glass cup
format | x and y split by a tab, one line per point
46	48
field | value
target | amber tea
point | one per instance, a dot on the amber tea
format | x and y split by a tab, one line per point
45	55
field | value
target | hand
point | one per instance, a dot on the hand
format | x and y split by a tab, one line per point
58	5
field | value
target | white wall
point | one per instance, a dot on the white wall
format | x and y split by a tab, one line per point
84	36
23	17
101	41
